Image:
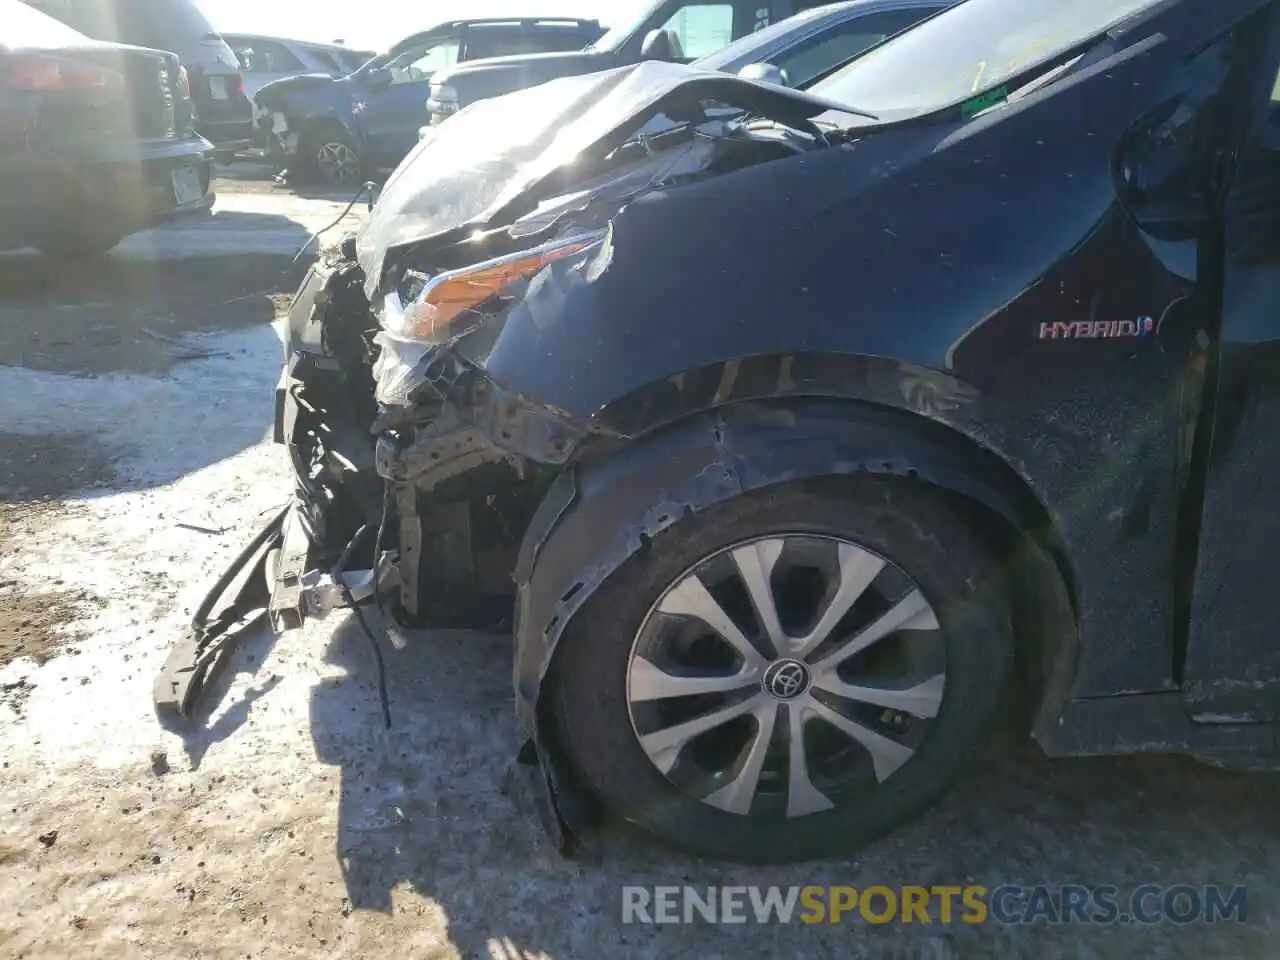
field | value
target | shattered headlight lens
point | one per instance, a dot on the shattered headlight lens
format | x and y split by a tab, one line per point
436	312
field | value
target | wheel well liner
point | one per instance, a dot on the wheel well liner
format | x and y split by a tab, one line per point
610	504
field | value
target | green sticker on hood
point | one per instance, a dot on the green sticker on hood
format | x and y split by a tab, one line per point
983	101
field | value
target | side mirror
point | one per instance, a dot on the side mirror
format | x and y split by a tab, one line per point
765	73
661	45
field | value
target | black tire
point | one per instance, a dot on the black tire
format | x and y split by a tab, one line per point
910	524
309	167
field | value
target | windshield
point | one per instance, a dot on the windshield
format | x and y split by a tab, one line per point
416	42
968	50
355	59
376	62
747	49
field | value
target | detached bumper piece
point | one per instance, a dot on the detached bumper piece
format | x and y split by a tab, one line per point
301	590
238	600
288	571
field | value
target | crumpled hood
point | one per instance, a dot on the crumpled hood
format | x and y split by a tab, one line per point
496	150
277	91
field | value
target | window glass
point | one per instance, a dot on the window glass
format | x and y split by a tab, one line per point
244	54
355	59
508	40
505	41
803	65
968	50
417	64
554	40
265	56
702	28
325	59
819	54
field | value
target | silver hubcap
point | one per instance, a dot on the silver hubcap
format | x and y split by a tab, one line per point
338	163
785	675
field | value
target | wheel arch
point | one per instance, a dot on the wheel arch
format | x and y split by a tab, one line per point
316	127
602	510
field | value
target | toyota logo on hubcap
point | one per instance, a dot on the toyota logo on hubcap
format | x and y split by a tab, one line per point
786	679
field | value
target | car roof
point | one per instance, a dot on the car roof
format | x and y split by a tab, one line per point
785	34
288	41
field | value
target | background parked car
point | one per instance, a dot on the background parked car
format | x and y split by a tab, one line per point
679	30
223	112
339	131
265	60
96	138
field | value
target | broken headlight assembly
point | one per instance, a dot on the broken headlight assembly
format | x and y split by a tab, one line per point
425	311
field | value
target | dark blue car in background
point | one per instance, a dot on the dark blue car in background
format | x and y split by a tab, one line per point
341	131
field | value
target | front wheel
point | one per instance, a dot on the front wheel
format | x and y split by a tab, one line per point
333	158
789	674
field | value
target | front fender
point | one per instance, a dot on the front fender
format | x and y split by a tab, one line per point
307	107
603	511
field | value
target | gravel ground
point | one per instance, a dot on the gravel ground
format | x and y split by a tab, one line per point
133	465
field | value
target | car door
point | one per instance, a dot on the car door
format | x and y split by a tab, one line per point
817	54
1231	669
391	105
1098	367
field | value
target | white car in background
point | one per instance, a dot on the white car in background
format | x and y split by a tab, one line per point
264	60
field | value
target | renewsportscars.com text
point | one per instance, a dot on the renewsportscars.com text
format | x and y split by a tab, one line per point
1006	904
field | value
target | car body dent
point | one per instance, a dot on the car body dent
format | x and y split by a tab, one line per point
916	203
944	246
902	272
464	178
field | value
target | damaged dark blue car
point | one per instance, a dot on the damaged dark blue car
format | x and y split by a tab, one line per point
790	429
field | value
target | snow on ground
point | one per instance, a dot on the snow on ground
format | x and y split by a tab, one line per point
288	823
189	451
